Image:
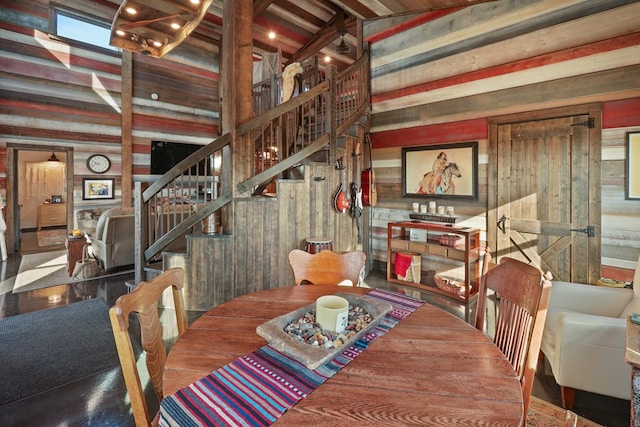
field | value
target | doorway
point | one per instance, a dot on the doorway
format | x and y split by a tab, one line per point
544	190
39	197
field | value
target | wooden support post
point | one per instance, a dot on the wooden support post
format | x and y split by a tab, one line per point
127	128
237	103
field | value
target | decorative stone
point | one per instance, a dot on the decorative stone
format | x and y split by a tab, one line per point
306	329
294	333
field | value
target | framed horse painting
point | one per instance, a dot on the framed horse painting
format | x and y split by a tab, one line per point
441	171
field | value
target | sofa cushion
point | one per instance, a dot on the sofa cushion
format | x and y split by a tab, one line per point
632	307
104	218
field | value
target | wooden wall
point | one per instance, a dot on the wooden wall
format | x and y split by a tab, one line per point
435	78
65	94
438	77
255	256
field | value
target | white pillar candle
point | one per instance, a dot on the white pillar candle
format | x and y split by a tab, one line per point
450	210
423	208
440	210
416	207
332	313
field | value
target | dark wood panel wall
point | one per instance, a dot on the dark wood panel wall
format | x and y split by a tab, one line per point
440	80
57	93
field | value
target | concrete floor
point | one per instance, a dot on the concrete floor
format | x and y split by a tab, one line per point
101	399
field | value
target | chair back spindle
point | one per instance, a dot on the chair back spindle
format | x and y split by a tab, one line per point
522	293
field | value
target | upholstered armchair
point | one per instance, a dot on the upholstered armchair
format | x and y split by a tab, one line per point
584	338
87	220
113	243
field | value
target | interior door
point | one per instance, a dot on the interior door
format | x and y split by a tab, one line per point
14	172
546	209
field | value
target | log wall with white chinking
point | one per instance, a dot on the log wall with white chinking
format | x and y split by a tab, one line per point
59	93
443	75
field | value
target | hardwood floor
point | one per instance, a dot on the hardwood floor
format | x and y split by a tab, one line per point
101	399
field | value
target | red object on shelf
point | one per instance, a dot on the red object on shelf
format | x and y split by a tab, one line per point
403	262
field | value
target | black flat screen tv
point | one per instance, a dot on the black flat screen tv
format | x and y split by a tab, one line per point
165	155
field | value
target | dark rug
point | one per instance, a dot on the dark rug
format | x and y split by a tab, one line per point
49	348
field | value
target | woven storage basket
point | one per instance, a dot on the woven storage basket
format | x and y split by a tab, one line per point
449	285
448	239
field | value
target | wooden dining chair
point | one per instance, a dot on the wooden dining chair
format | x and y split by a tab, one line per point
522	298
143	301
326	267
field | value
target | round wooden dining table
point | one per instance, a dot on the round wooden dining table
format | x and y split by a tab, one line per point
431	369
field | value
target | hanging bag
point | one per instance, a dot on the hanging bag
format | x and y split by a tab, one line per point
87	267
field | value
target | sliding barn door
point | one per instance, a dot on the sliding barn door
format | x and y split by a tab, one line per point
545	208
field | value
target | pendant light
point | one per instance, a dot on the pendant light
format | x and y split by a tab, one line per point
53	158
343	47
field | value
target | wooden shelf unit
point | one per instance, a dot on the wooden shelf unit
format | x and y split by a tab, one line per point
398	240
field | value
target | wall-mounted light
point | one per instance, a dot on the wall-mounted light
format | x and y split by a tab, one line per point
53	158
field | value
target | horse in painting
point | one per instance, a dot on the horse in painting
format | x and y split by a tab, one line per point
440	183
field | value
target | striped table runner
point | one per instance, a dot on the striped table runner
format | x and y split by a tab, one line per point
256	389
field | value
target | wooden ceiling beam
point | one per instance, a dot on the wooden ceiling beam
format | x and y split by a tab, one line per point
323	37
296	10
169	6
360	8
260	6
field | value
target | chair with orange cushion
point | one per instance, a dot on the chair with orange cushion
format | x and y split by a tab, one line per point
522	292
326	267
143	301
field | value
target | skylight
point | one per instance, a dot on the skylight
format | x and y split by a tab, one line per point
84	30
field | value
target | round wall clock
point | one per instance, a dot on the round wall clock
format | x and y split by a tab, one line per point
98	163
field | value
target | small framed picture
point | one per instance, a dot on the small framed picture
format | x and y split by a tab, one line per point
57	198
97	188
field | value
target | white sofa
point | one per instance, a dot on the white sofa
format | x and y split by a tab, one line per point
584	337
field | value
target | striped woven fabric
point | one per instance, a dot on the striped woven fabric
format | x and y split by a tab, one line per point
256	389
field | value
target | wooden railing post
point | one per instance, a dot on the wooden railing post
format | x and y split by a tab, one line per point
333	115
141	230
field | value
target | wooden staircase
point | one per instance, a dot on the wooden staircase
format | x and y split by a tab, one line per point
296	146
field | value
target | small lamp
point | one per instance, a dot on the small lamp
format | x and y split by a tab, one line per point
53	158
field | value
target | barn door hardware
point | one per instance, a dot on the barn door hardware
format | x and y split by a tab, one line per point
590	123
501	225
589	230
